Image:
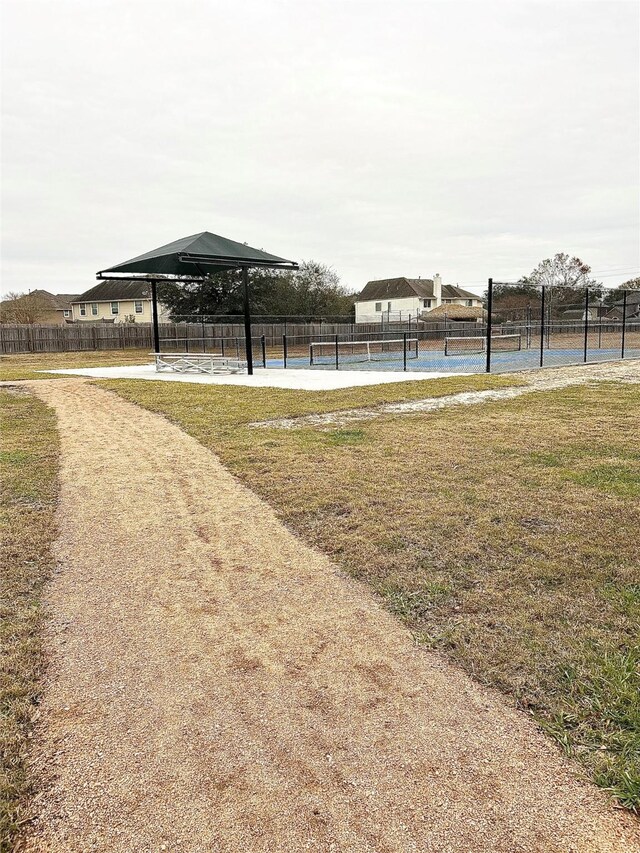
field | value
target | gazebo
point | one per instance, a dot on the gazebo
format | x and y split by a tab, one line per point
192	259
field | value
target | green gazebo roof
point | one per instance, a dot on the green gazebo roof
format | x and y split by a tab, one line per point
189	256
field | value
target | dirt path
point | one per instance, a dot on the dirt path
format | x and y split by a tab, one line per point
537	380
215	685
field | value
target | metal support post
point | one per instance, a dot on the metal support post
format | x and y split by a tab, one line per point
489	323
542	319
247	320
586	324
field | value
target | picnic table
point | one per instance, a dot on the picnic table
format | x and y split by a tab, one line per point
197	362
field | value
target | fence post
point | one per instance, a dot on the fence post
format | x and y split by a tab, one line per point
263	345
284	351
404	350
586	323
542	318
624	322
337	360
489	323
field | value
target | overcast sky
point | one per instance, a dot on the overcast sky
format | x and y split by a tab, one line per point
383	138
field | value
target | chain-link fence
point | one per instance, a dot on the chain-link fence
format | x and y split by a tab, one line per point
522	327
566	325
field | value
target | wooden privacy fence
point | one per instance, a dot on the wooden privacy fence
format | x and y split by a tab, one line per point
78	337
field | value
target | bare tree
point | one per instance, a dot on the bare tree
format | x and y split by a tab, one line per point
563	271
23	308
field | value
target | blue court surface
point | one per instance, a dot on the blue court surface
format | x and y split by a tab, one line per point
462	362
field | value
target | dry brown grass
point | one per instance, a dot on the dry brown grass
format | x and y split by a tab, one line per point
26	366
28	463
505	535
215	684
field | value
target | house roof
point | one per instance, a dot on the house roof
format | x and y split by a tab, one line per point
577	313
112	290
633	298
452	291
65	299
396	288
456	312
45	300
403	288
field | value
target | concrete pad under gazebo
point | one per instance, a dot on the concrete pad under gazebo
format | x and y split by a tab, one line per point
192	259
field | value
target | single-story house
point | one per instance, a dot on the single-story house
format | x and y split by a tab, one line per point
578	314
614	314
599	310
633	305
38	306
401	298
117	300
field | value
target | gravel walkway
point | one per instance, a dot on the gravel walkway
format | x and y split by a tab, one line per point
216	685
537	380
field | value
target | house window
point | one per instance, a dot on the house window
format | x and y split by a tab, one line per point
426	303
66	313
469	303
94	309
138	306
378	306
115	307
83	309
448	301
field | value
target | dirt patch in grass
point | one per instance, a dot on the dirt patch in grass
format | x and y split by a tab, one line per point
28	465
506	535
26	366
222	408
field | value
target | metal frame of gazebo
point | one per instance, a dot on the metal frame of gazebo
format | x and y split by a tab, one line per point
172	261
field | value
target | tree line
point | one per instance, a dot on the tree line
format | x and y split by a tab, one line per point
314	290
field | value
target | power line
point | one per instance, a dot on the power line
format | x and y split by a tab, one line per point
631	271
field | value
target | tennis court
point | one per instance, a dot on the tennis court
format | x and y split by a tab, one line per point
458	355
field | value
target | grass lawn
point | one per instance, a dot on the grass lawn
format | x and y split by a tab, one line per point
505	535
28	464
25	366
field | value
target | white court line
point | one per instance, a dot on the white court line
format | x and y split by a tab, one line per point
295	379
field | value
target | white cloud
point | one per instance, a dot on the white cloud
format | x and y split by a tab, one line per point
472	139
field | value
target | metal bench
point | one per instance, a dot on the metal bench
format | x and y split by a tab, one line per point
197	362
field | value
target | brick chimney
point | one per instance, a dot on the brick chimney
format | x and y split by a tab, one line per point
437	289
